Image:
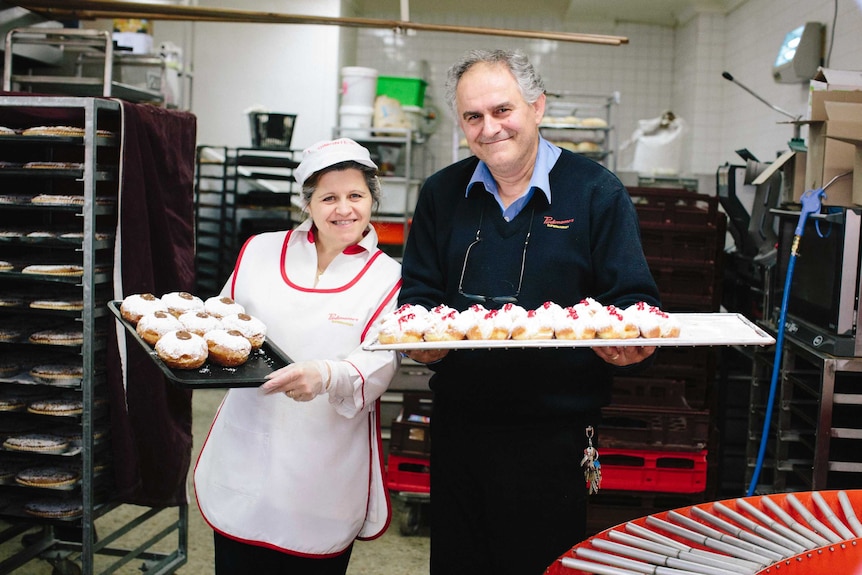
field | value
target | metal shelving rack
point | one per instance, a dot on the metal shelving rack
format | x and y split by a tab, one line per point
215	211
87	66
815	434
71	544
393	219
238	191
564	104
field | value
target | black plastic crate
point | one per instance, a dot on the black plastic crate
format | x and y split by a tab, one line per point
411	430
271	131
653	427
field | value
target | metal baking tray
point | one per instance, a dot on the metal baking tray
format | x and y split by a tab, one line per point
250	374
696	329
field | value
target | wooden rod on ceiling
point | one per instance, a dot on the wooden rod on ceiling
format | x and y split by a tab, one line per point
93	9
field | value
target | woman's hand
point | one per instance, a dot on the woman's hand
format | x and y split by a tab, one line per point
302	381
624	355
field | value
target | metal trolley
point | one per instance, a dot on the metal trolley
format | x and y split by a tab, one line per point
408	471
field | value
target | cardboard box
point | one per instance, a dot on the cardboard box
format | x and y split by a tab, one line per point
832	86
844	128
828	158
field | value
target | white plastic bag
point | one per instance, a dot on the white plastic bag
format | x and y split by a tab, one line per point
658	145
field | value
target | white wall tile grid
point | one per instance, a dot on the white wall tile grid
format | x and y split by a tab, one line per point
660	68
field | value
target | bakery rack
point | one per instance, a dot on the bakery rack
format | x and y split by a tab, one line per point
155	536
85	62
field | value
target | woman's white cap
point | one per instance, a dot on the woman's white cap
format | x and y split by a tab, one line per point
328	153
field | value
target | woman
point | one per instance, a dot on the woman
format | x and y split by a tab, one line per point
292	472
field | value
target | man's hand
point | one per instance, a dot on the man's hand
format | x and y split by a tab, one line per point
427	355
624	355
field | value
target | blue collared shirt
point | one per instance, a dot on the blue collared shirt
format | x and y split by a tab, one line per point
545	159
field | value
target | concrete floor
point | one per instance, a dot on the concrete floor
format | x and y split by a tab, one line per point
391	554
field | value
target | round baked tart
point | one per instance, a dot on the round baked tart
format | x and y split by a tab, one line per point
54	508
57	200
12	403
9	333
37	443
58	304
54	269
49	477
53	131
9	469
60	374
11	301
6	266
75	436
56	406
54	165
9	367
58	337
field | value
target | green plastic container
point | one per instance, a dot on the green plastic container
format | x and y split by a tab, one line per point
408	91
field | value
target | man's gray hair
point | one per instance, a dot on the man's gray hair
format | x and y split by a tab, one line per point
519	65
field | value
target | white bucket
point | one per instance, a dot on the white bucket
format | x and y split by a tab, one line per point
356	120
358	86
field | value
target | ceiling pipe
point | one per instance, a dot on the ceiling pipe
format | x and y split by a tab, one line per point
95	9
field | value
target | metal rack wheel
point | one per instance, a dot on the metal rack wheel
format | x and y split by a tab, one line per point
411	518
65	567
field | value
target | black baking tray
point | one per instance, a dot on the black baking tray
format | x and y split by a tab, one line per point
252	373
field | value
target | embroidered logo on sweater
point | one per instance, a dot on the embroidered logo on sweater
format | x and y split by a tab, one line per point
557	224
341	319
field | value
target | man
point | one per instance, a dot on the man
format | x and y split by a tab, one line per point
521	221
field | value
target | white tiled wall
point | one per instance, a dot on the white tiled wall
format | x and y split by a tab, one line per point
660	68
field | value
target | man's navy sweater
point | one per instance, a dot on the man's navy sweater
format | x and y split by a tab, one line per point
585	243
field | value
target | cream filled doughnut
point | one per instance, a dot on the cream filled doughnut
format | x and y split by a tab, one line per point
444	324
533	325
407	324
612	323
574	324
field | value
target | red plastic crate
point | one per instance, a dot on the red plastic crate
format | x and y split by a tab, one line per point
409	474
666	245
645	470
678	207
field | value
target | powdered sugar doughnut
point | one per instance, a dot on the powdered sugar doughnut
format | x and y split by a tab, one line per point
227	347
199	322
135	306
154	325
222	306
179	302
249	326
182	349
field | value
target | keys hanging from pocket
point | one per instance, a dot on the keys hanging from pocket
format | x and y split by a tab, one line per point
591	465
